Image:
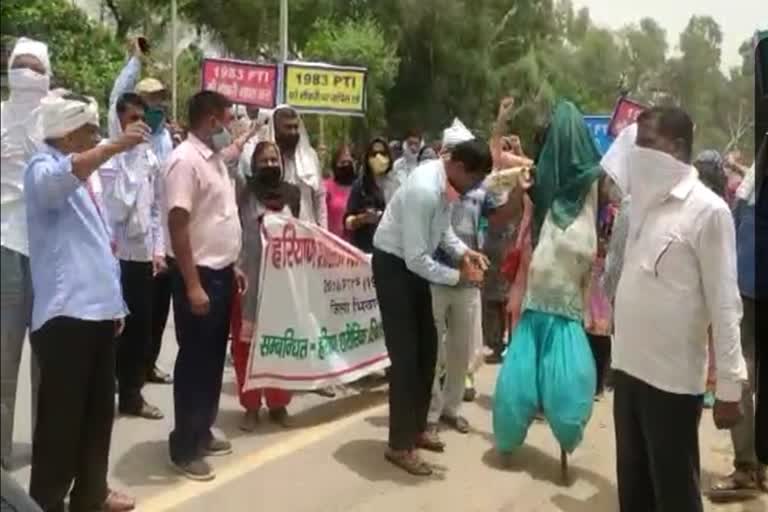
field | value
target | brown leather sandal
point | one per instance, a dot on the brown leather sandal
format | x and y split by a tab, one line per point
408	461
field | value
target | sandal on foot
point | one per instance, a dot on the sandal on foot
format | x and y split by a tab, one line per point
146	411
458	423
430	440
408	461
739	485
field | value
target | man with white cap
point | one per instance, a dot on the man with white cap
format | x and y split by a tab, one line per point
300	161
78	308
29	79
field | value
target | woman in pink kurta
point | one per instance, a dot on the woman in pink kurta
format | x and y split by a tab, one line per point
337	190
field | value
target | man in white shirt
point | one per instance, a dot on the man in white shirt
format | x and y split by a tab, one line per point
409	160
132	198
679	278
29	80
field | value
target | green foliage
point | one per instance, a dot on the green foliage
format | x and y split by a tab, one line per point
357	42
85	57
429	60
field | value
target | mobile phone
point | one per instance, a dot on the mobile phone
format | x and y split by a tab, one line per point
144	45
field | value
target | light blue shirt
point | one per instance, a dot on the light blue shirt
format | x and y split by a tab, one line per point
417	221
74	272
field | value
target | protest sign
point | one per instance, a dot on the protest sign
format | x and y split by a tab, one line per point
325	89
625	113
318	320
243	82
598	126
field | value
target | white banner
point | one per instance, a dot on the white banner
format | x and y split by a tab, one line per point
318	321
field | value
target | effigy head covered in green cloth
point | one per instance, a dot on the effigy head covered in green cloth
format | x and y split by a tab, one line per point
566	168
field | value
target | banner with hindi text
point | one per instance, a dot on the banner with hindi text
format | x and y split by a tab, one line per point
318	320
325	89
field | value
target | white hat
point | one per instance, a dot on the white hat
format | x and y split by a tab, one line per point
64	113
456	134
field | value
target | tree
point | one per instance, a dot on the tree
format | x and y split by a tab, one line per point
85	57
358	42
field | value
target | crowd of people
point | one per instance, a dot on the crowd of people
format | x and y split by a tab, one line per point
630	258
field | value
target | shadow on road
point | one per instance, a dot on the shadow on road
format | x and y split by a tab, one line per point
544	467
366	458
146	464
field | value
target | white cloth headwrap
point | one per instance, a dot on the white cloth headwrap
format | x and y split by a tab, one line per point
26	46
615	160
456	134
62	116
307	163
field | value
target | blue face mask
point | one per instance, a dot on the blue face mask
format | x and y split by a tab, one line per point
155	119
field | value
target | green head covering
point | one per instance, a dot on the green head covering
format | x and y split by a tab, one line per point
567	166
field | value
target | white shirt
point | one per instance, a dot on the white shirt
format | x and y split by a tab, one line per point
21	135
679	277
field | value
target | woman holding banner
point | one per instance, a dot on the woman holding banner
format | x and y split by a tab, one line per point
266	192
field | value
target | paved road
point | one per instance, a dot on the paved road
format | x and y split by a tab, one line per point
332	461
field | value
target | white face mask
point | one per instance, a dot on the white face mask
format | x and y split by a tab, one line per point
651	171
651	177
23	80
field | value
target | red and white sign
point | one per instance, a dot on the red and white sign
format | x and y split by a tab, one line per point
243	82
625	113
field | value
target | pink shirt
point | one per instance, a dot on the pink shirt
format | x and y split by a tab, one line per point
197	180
336	199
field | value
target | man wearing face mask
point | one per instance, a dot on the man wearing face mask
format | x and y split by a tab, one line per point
415	223
155	97
132	198
78	308
678	279
410	158
205	238
29	78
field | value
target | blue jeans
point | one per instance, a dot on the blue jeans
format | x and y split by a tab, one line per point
199	366
16	314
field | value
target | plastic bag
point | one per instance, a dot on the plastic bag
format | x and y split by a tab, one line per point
548	366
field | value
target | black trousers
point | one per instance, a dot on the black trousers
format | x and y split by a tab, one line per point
134	344
161	306
405	303
200	361
657	447
75	413
601	352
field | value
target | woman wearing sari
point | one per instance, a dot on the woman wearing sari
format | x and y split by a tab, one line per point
548	365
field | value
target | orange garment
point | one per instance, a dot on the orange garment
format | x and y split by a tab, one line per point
241	346
518	286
